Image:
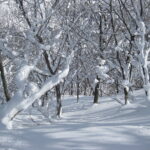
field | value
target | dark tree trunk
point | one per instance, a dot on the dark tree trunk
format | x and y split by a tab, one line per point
4	82
126	95
85	87
117	86
44	99
71	90
96	92
58	98
78	90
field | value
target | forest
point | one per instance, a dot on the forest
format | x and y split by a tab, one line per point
66	57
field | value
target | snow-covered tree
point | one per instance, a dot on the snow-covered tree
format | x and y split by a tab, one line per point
101	74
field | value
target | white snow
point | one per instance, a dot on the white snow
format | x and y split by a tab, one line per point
19	103
101	71
126	83
84	126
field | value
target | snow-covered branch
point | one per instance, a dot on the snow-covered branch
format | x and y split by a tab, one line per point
11	111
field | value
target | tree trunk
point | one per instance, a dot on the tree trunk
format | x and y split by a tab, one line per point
85	87
4	82
126	95
117	86
58	98
96	93
78	91
71	90
85	90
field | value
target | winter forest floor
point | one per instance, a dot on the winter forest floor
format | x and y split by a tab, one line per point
84	126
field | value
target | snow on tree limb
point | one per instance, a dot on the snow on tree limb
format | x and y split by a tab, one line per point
11	111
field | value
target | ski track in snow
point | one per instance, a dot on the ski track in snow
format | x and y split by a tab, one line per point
105	126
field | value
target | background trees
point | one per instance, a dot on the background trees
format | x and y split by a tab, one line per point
37	36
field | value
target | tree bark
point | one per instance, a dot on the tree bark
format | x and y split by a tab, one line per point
71	90
126	95
78	90
4	82
96	92
58	97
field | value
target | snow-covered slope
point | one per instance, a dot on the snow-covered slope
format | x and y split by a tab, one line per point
84	126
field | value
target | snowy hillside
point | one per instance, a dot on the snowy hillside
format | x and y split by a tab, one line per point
84	126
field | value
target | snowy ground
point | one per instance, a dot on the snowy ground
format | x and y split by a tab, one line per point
106	126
